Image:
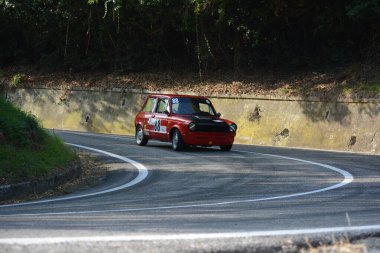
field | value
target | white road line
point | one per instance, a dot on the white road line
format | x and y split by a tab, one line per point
347	178
194	236
130	137
142	174
111	136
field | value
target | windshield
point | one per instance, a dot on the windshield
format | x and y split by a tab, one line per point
193	106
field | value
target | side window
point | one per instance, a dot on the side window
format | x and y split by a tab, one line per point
205	108
149	105
162	105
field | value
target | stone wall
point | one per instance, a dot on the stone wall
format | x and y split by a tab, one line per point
345	126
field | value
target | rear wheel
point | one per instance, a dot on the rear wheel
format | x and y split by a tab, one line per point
177	142
226	148
141	139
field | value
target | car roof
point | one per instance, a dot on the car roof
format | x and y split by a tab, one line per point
175	96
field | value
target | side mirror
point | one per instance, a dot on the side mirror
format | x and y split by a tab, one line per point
167	112
218	115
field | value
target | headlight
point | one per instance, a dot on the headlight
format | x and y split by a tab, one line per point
233	127
192	126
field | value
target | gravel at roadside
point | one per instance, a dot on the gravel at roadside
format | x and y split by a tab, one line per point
92	174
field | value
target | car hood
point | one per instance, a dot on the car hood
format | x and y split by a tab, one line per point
208	124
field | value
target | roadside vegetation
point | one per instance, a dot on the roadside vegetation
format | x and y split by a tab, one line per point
27	151
307	48
355	81
197	35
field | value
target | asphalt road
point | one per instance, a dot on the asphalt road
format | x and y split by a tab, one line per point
157	200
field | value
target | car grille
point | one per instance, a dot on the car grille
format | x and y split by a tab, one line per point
212	128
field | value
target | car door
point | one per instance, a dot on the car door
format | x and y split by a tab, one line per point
149	115
161	118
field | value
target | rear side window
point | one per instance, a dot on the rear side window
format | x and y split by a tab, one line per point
149	105
163	104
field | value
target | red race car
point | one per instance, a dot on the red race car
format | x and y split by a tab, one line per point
183	120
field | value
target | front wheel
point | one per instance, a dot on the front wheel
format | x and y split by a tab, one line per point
141	139
226	148
177	142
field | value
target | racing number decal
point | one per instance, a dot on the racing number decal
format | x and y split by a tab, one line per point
157	125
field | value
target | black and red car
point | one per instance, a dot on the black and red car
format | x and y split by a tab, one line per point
183	121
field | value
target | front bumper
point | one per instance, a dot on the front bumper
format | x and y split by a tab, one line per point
208	138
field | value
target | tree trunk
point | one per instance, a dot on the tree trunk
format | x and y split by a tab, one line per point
237	51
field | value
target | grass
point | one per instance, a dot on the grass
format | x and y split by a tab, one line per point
342	245
371	88
338	247
16	80
27	151
284	90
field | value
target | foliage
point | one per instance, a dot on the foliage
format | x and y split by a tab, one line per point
18	128
26	149
16	80
3	85
130	35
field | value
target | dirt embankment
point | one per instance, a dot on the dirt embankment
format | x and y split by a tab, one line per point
354	81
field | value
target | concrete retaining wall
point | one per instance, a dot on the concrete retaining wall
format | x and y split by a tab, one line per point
347	126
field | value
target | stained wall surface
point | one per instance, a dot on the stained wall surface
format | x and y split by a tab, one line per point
345	126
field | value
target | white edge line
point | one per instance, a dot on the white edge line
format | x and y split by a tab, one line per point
131	137
102	135
142	174
348	178
194	236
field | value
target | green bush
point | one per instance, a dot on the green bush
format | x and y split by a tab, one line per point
26	149
16	80
18	128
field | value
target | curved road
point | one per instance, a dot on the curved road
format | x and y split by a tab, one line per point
158	200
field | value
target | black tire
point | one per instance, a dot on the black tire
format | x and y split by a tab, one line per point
177	142
226	148
141	139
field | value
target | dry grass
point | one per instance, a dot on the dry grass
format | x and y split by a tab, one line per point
93	172
354	80
337	246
